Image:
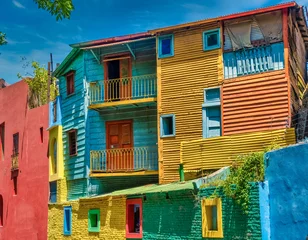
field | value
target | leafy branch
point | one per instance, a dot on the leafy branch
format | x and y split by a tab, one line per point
59	8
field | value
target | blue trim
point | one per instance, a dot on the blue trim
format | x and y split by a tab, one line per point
161	125
160	38
264	210
67	210
205	47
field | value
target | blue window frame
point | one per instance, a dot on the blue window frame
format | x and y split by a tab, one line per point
165	46
211	39
167	125
67	227
211	113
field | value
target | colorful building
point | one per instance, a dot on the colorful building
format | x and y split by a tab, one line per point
23	164
175	103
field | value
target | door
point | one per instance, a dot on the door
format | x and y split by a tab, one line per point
120	155
118	78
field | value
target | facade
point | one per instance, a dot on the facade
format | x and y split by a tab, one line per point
175	103
23	164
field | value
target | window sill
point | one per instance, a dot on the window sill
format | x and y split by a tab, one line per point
211	48
168	136
72	94
134	235
165	56
73	155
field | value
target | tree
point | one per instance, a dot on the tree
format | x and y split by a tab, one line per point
38	86
59	8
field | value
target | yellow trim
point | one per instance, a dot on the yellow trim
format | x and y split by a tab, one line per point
120	174
207	218
124	102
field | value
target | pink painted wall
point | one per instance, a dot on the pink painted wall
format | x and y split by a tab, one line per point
25	215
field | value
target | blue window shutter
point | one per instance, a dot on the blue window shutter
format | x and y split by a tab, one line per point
67	227
213	121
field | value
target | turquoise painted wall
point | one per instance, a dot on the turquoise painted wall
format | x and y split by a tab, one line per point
286	173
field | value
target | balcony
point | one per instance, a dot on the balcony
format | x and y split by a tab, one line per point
253	61
123	91
15	164
124	161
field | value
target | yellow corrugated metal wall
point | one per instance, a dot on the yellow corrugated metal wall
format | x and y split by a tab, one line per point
255	103
181	80
218	152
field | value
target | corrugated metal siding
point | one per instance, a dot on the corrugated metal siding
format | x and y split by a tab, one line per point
255	103
77	189
183	78
215	153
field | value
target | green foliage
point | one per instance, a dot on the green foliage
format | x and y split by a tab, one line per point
59	8
2	39
38	86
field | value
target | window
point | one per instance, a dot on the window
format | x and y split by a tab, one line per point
15	186
54	157
211	39
53	192
165	46
42	134
1	211
94	222
67	228
72	140
54	110
134	218
15	144
212	218
70	88
211	113
167	125
2	141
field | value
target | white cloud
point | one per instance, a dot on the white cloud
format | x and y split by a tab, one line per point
41	37
79	28
11	41
18	4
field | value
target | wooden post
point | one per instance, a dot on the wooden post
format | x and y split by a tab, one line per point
48	84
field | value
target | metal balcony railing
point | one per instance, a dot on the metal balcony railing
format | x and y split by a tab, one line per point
120	89
15	164
252	61
124	159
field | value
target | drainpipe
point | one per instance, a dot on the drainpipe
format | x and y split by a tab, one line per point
181	172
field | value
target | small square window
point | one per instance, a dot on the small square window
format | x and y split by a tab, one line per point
212	218
94	222
167	125
70	85
165	46
211	39
67	228
211	95
72	141
134	218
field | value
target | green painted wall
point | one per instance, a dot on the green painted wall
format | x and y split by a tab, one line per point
179	216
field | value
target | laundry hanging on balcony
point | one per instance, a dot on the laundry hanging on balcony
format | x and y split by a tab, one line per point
239	34
270	25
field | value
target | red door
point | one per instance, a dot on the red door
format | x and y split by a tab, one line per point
120	155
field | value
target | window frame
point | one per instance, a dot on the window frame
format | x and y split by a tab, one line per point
69	210
1	211
205	33
162	37
69	142
92	212
161	125
206	233
205	106
136	201
70	74
15	149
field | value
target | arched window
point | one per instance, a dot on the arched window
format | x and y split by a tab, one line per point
1	211
54	156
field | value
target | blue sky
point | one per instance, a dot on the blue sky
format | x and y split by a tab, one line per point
33	33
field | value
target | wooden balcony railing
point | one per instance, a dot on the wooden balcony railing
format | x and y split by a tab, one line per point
124	159
121	89
15	165
252	61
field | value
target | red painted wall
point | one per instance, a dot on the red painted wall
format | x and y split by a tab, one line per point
25	215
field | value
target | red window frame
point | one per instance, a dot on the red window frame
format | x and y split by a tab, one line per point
72	142
70	83
130	217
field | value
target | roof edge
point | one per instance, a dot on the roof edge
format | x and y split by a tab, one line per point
65	62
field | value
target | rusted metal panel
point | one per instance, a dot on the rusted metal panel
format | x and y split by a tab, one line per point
182	79
255	103
218	152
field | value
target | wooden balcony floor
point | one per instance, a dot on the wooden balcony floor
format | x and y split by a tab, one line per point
122	173
121	103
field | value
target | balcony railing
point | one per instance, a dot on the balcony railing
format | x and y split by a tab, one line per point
124	159
120	89
252	61
15	165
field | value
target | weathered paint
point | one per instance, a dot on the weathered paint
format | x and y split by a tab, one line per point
25	214
55	134
286	173
255	103
181	80
218	152
264	210
112	219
